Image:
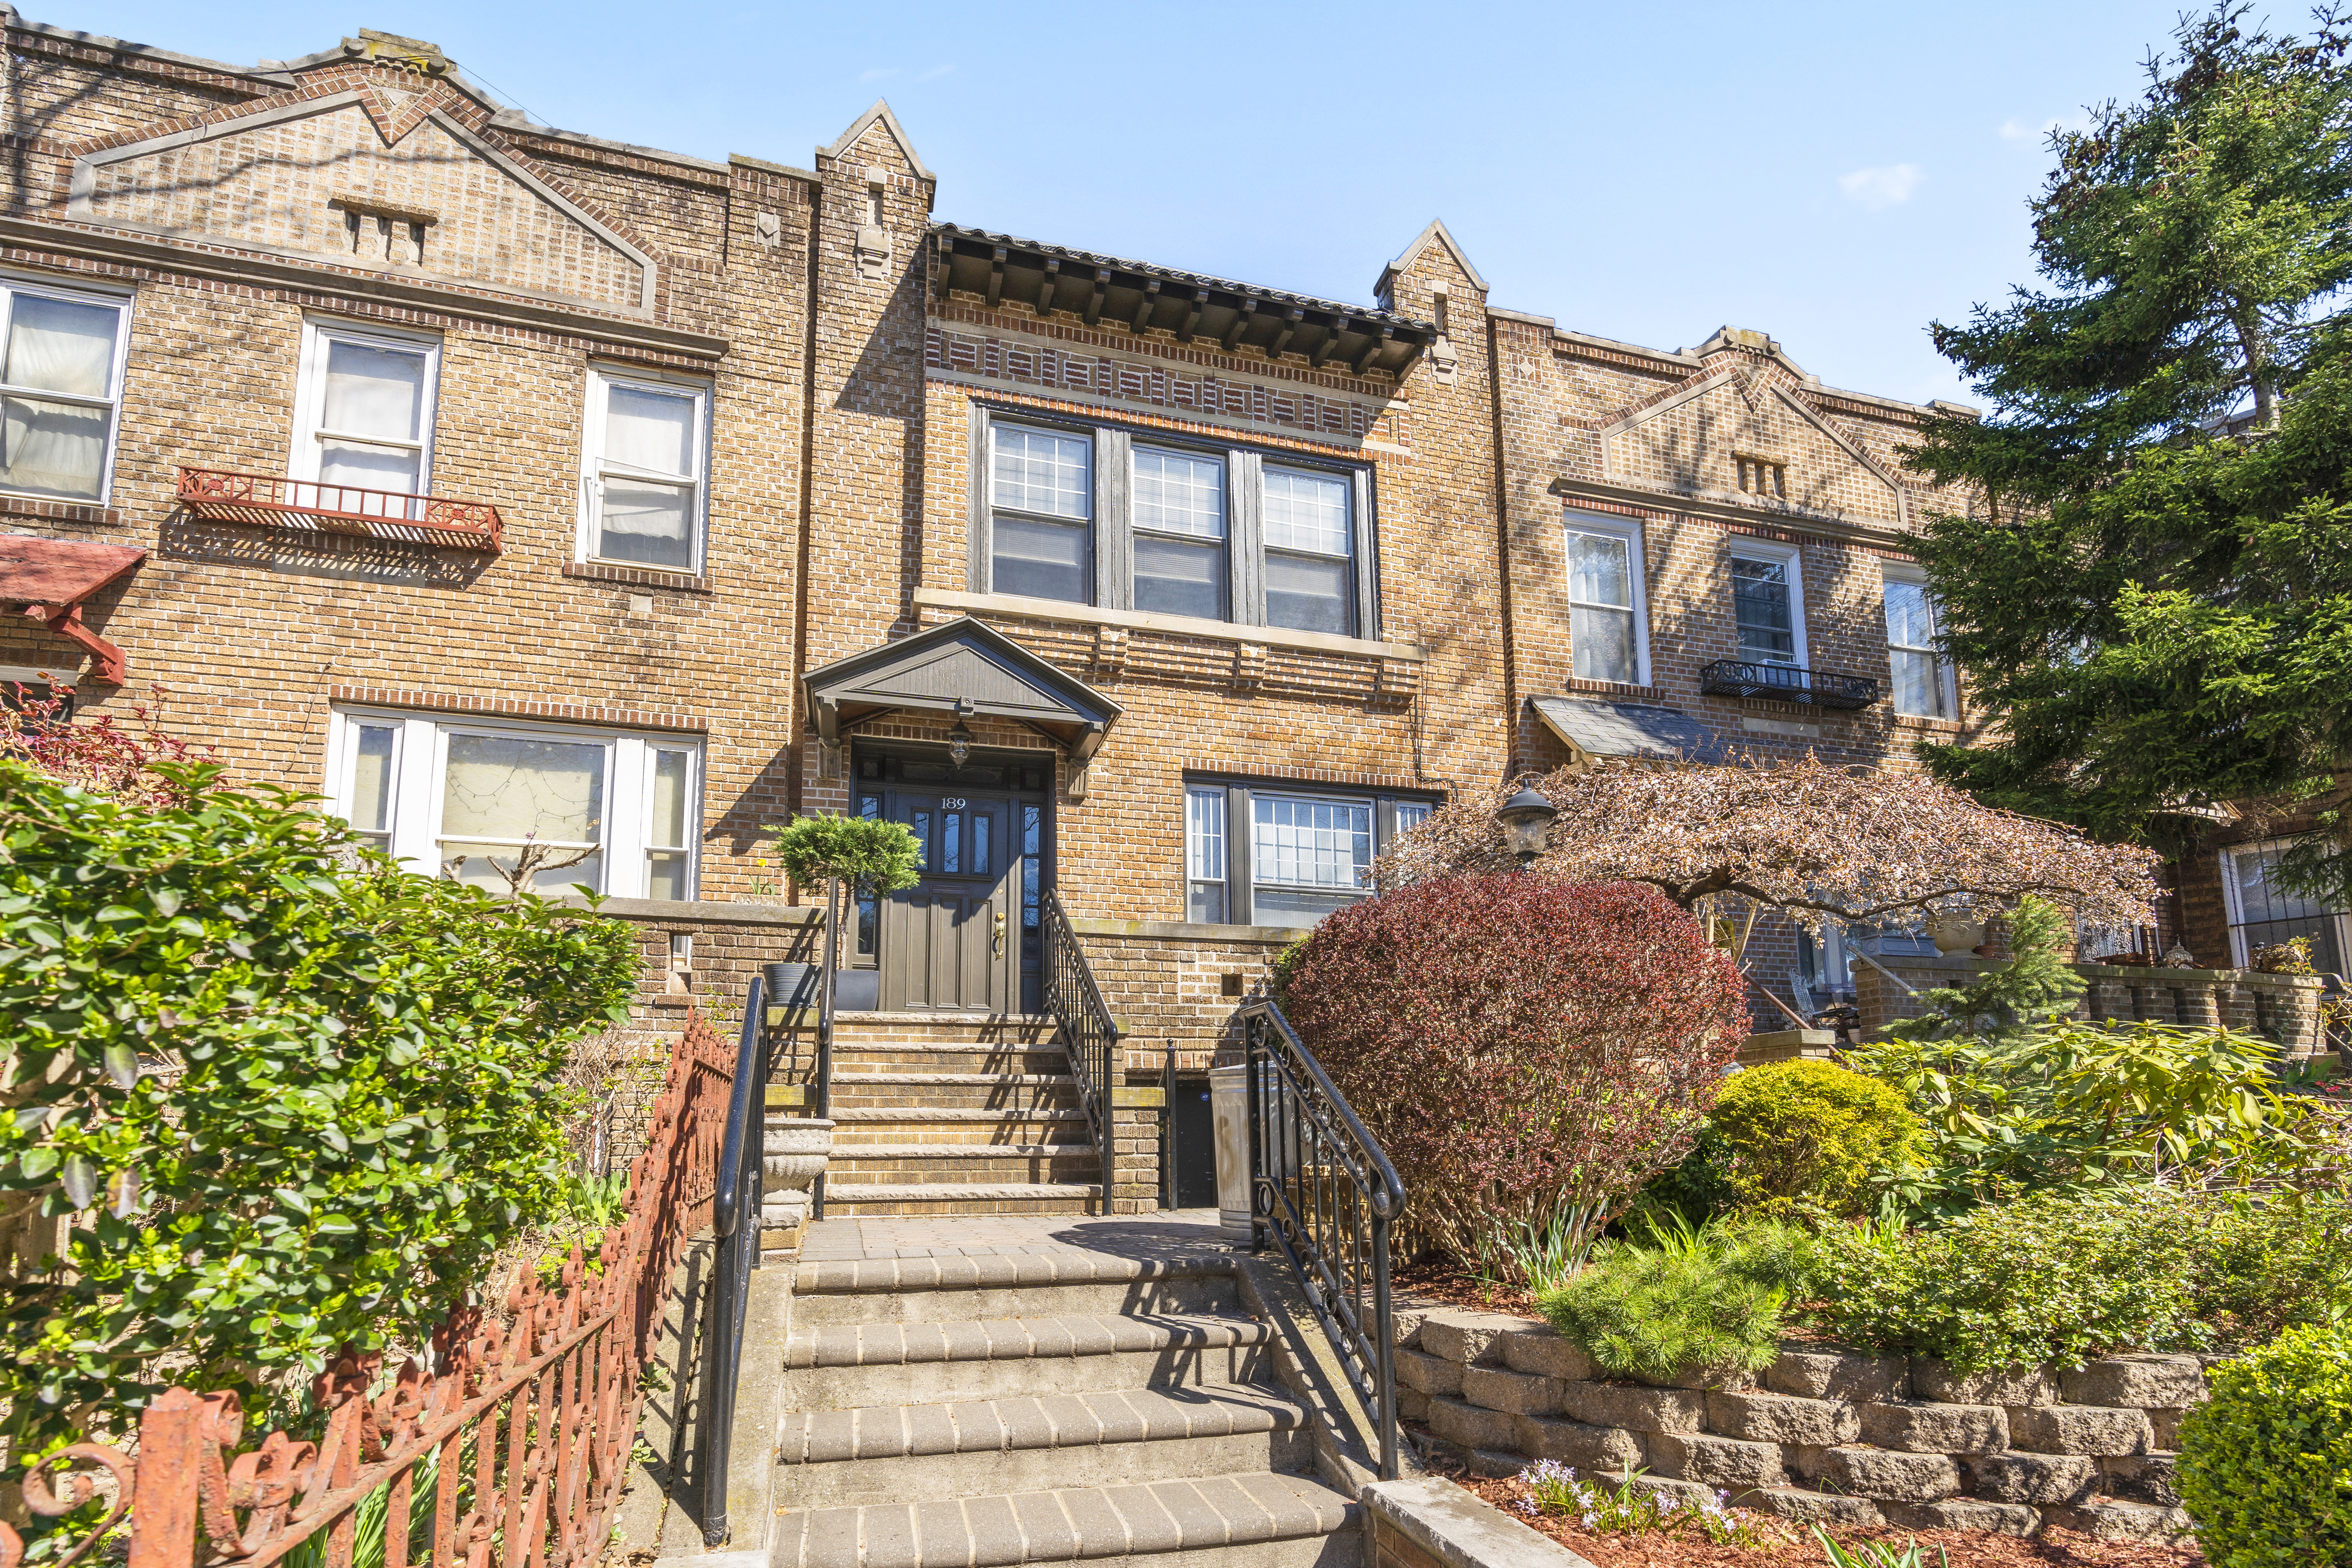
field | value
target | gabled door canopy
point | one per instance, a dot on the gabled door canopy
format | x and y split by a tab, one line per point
961	667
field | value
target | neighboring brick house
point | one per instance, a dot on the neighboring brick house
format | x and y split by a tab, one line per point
497	482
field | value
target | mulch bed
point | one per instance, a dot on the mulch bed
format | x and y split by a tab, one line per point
1442	1282
1792	1545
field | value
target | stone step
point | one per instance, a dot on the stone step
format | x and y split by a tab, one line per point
1251	1521
880	1200
946	1056
1002	1079
985	1164
880	1454
845	1366
969	1148
978	1116
912	1092
959	1290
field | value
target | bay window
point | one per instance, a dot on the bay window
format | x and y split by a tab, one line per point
468	799
644	452
1608	639
60	385
1264	853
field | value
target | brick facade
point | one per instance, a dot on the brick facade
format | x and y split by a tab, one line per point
374	187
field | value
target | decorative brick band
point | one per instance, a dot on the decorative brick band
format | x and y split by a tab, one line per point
60	510
507	708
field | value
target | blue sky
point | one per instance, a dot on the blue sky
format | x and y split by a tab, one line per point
1834	174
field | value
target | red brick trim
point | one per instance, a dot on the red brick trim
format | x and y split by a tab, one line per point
1228	768
637	576
60	510
507	708
1612	690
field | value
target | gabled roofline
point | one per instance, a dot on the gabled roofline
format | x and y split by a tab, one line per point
1438	232
865	122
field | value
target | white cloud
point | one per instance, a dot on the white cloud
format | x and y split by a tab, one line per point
935	73
1877	188
879	73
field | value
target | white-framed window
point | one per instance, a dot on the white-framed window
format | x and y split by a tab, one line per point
1269	855
1311	571
1180	532
1041	497
2263	912
60	388
1608	635
1767	601
364	416
465	798
1924	685
646	464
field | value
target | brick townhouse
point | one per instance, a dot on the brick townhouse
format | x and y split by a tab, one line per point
508	486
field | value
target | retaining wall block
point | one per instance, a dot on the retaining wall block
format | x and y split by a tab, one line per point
1824	1509
1583	1446
1921	1428
2044	1480
2163	1430
1407	1321
1717	1461
2092	1430
1781	1419
1412	1405
1963	1513
1547	1353
1878	1473
2110	1519
1514	1392
1677	1492
1425	1374
2137	1382
1811	1372
2143	1478
1931	1380
1471	1425
1477	1461
1468	1337
1636	1409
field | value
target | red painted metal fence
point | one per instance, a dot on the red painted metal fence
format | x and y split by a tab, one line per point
509	1451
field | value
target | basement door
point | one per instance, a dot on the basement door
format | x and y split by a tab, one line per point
954	940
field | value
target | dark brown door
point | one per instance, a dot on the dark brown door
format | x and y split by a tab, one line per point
953	939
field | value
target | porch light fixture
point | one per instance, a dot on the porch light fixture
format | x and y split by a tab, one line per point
959	741
1527	818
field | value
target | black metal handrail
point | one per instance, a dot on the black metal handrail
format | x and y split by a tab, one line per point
1083	1026
1321	1188
1746	678
737	1244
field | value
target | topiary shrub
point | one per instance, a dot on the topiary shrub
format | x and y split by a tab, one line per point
1529	1051
2266	1463
1809	1134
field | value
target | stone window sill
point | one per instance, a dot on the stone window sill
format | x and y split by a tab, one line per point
1022	607
53	510
637	576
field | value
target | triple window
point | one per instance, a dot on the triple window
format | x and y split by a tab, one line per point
1608	635
470	800
60	384
1265	855
1095	517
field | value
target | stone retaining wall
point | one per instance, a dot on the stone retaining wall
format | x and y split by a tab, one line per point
1823	1434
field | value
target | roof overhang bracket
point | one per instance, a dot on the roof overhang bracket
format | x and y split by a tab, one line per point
1049	283
1149	302
947	268
65	620
995	276
1199	302
1378	339
1285	332
1240	323
1102	292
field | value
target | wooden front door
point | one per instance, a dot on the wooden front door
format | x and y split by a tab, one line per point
953	939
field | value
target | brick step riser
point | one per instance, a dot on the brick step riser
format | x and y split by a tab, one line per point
1195	1295
964	1135
915	1098
867	1481
950	1058
1025	1377
847	1036
997	1173
974	1206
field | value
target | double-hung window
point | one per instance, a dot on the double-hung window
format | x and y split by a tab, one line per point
1041	493
1180	533
2262	911
467	800
60	384
1309	548
1923	683
1767	603
363	418
1270	855
646	464
1607	638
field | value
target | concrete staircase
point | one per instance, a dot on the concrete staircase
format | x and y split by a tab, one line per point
956	1116
1040	1408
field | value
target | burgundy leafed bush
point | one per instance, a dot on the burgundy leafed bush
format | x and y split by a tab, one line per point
1528	1050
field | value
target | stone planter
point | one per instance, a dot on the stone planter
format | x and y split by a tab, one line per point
1954	933
792	1154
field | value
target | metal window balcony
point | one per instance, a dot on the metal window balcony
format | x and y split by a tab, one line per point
1765	681
269	501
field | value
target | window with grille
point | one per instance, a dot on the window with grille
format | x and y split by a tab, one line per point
1298	856
2264	911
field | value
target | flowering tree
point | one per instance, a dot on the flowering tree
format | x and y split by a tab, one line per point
1822	843
1527	1050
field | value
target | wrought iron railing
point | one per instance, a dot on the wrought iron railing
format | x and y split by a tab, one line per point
735	1230
512	1449
270	501
1322	1190
1786	683
1084	1024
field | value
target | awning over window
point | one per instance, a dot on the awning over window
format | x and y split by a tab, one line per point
49	580
1635	730
962	667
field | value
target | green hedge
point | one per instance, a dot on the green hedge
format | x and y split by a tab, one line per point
2266	1463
